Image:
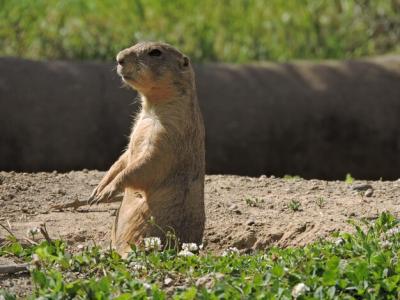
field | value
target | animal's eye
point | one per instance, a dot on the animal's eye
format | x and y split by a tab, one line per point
155	52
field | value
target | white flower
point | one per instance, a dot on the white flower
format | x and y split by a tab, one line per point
33	231
137	266
230	250
185	253
152	243
299	289
190	247
147	286
386	244
393	231
35	259
80	246
339	242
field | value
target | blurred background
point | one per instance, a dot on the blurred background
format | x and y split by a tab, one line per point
234	31
308	88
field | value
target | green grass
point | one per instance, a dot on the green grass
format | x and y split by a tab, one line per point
291	177
294	205
254	202
349	179
363	265
229	31
320	202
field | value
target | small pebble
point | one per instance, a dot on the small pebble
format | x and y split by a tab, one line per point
233	207
361	187
208	280
93	182
167	281
250	222
369	193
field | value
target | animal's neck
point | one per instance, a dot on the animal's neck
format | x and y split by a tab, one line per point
165	106
174	114
162	94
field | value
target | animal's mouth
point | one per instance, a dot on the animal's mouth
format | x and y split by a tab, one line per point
124	74
127	77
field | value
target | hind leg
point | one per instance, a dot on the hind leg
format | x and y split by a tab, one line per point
131	222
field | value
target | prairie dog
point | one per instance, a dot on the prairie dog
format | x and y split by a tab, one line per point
165	158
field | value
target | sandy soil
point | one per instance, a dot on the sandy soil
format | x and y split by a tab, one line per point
248	213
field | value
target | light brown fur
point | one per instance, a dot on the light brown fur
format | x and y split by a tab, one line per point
164	161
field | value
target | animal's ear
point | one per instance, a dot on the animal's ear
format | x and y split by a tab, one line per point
185	61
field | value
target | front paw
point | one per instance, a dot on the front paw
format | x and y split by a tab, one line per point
94	194
103	195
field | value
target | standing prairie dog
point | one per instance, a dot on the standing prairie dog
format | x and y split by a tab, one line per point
164	161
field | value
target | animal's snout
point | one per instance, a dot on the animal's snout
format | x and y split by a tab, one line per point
121	58
126	61
125	56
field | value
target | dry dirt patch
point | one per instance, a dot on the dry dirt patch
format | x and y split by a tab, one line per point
248	213
241	211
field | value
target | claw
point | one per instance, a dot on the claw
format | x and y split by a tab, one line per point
90	199
96	200
104	195
93	196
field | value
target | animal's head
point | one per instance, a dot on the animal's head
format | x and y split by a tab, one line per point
156	70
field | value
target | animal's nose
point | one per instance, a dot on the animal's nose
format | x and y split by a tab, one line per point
124	57
120	60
